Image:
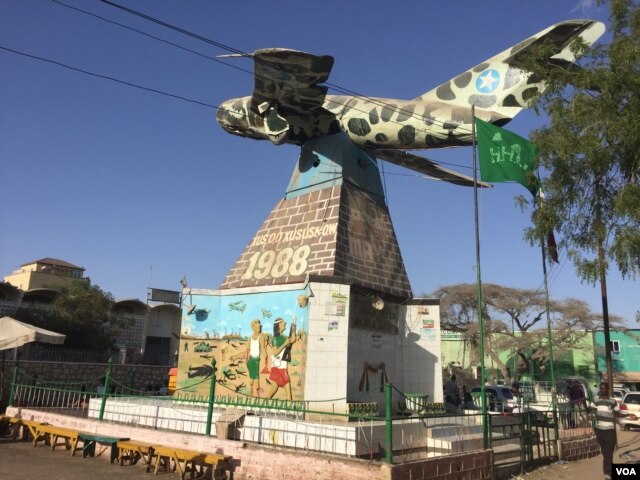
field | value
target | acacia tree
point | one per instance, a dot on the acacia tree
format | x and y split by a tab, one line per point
513	320
590	153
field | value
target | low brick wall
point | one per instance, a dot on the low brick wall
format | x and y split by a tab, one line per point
476	465
257	462
577	448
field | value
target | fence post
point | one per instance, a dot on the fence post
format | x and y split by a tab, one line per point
13	384
132	380
554	405
212	392
388	427
105	392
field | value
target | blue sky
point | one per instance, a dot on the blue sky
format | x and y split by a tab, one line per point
132	184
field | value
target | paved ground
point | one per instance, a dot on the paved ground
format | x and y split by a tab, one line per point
20	460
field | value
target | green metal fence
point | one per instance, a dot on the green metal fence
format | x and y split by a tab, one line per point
397	434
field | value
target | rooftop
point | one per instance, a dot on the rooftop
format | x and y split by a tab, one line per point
55	262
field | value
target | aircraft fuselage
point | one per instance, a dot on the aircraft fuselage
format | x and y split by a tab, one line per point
370	123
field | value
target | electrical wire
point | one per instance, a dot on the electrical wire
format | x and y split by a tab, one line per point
150	89
375	101
107	77
162	40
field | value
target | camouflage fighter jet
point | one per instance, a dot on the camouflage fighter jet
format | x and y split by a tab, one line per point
290	104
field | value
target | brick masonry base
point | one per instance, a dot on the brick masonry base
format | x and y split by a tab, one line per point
476	465
577	448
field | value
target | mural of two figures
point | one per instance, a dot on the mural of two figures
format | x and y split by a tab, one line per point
259	342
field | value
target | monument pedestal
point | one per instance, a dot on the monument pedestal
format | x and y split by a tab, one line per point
327	260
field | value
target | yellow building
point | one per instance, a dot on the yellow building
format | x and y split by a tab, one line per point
45	273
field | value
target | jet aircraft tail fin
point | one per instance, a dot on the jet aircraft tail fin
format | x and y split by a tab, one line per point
498	86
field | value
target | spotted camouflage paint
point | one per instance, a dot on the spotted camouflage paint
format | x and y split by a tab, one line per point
289	106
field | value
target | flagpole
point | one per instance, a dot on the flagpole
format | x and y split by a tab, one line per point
550	343
483	397
554	393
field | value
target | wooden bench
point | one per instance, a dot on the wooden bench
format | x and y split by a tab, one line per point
30	429
132	451
50	434
189	461
90	440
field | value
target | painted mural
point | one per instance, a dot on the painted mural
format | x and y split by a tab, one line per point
258	340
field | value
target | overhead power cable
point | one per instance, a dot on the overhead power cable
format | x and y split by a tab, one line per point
162	40
228	48
160	92
107	77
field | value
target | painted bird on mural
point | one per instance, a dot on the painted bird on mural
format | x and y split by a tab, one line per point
290	104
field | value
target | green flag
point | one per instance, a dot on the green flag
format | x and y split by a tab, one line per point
505	156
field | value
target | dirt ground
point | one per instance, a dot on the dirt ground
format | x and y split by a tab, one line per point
590	468
19	460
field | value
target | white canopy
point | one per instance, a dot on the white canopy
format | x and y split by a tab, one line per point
15	334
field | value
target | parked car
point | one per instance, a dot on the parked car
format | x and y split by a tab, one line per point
630	405
499	398
619	393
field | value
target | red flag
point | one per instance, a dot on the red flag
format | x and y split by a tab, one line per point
552	247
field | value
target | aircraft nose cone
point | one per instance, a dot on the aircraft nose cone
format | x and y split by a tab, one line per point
232	115
222	114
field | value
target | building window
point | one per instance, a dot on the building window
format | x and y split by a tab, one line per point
615	346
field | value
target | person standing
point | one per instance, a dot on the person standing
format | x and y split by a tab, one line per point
578	403
279	376
518	399
255	353
451	395
467	399
605	427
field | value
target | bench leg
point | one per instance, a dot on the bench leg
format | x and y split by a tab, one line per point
182	468
164	461
114	452
88	449
74	445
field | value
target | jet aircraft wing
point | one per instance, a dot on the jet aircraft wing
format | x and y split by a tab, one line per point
428	167
288	81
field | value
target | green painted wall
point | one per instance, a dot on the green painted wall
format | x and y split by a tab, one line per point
579	361
628	358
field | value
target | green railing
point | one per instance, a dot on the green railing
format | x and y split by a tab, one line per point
531	434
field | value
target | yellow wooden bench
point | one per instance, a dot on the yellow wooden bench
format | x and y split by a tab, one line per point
51	434
30	428
189	461
132	451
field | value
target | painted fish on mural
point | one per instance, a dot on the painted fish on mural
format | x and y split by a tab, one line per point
290	104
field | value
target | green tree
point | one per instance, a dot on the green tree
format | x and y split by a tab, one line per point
590	155
83	312
514	319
